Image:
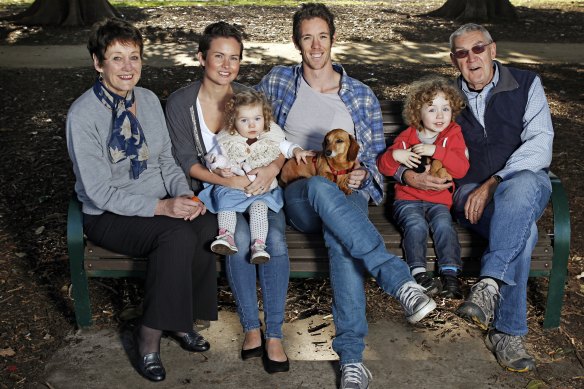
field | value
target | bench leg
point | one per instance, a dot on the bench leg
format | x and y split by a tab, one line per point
76	248
557	280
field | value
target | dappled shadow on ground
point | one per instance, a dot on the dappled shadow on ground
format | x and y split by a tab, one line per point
378	23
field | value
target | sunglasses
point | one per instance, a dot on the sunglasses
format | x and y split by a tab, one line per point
478	49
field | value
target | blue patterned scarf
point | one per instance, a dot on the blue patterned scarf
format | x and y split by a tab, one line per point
127	138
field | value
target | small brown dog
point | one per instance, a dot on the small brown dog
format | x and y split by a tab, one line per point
335	162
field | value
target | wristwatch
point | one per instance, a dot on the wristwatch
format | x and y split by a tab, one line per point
497	178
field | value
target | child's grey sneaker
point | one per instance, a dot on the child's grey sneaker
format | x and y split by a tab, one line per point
480	304
510	352
414	301
355	376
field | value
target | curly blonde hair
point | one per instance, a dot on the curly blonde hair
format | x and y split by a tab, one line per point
248	97
423	92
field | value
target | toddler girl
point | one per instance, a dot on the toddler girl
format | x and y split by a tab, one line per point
249	140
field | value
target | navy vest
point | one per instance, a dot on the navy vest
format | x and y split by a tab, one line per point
490	147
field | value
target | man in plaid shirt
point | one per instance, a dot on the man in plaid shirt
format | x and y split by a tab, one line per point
308	100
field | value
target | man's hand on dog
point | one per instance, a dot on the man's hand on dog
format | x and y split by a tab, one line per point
357	176
424	181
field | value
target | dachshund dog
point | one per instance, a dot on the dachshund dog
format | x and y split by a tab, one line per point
335	162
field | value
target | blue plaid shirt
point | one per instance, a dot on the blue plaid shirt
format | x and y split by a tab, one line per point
281	86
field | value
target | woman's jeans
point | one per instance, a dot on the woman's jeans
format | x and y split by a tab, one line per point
416	219
273	276
354	246
508	222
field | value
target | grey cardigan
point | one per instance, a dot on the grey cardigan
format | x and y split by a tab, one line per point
104	186
185	132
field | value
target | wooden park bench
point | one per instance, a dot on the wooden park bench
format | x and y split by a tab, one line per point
308	255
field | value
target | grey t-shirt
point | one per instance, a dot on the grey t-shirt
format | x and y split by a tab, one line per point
313	114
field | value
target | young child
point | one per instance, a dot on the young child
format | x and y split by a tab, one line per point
430	109
249	140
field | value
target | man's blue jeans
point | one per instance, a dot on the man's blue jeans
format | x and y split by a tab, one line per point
416	219
273	276
508	223
354	246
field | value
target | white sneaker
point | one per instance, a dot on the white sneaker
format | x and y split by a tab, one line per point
224	243
355	376
414	301
258	252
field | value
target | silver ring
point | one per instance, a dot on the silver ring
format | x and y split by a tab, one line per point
475	211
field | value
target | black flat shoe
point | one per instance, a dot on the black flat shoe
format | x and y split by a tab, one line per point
255	352
150	366
191	341
275	366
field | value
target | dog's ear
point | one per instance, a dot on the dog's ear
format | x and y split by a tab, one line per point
353	149
324	143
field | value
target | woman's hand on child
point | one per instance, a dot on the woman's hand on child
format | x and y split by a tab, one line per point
264	177
406	157
424	149
301	155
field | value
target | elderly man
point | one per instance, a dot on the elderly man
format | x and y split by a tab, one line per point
508	131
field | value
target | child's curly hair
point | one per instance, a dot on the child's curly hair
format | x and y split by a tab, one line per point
424	91
242	99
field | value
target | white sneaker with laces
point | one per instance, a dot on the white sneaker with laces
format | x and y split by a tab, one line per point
355	376
414	301
224	243
258	252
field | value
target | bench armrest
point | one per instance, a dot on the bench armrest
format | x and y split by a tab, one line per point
561	243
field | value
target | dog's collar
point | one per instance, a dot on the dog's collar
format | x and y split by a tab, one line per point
334	171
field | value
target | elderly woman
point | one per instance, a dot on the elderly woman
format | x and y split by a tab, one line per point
195	114
135	198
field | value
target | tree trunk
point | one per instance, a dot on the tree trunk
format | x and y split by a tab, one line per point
476	11
66	13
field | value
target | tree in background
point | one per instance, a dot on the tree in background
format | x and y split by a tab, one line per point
65	13
476	11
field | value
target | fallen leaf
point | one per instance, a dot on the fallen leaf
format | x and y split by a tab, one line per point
536	384
7	352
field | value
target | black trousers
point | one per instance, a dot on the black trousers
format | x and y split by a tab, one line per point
181	281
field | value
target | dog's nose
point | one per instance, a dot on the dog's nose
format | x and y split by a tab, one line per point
328	153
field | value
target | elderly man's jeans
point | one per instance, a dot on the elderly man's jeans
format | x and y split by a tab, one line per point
508	223
273	276
354	247
417	219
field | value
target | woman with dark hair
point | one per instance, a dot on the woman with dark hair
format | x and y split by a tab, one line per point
195	114
135	198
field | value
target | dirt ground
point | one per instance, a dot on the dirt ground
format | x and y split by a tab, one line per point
36	178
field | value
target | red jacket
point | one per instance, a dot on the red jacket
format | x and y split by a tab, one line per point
450	149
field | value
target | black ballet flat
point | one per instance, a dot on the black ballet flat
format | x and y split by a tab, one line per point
191	341
150	366
255	352
275	366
